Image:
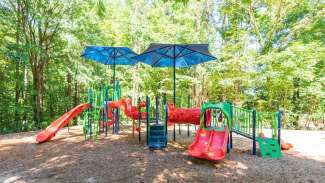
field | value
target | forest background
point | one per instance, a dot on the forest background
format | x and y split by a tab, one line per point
270	55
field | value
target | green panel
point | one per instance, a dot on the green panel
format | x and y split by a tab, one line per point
224	107
269	147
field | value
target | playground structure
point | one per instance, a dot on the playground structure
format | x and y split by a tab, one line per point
216	123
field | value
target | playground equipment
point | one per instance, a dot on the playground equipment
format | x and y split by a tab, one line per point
94	116
159	116
53	128
156	125
183	113
217	123
212	140
101	110
251	124
212	137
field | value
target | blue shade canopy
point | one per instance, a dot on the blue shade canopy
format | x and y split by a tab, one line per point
175	55
110	55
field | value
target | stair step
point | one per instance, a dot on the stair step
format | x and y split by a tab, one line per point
156	145
157	139
269	147
157	132
157	127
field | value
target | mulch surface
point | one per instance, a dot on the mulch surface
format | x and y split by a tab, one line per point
121	158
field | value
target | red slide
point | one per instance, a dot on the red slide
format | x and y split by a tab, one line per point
209	144
54	127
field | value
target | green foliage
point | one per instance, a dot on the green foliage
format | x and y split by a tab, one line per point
270	54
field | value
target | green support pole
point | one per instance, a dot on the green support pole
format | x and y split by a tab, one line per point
279	128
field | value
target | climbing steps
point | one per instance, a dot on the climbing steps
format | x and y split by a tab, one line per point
157	137
269	147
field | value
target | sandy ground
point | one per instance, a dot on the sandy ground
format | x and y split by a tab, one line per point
121	158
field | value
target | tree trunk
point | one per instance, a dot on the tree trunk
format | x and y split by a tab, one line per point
295	100
76	90
17	96
237	91
284	124
17	73
25	95
69	89
37	96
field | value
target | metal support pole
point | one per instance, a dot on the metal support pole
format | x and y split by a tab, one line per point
231	124
188	106
166	124
90	114
101	115
114	75
113	121
174	78
228	144
254	132
147	118
279	128
106	116
157	108
118	120
174	138
139	119
179	125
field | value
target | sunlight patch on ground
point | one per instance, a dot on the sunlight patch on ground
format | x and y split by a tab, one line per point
91	180
221	175
55	162
161	177
239	167
307	144
11	179
5	148
176	145
7	177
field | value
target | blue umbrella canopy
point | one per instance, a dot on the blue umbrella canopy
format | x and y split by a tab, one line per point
175	55
109	55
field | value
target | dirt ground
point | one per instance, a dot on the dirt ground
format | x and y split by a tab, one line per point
121	158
